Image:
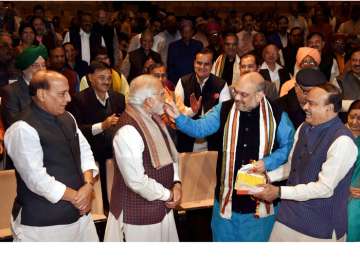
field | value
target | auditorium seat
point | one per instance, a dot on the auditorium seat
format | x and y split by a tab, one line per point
198	176
109	176
97	209
7	197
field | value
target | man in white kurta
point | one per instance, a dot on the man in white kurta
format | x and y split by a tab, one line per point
131	153
318	170
54	165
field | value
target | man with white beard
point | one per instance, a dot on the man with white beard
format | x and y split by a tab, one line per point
146	184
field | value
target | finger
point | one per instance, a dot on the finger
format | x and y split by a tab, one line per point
262	185
170	106
170	205
200	99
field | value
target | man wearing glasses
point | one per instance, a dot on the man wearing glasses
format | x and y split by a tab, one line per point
16	95
251	129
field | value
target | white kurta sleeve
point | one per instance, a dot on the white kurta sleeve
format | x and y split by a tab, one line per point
179	100
281	173
96	128
23	145
86	154
341	156
225	94
128	151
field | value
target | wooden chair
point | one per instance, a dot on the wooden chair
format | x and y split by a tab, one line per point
8	194
7	197
109	176
97	208
198	176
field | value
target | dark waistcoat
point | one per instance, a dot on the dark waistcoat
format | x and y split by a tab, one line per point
317	217
95	42
247	149
210	97
60	144
137	210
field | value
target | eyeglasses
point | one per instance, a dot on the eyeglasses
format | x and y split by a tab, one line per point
248	67
308	62
160	75
234	93
38	65
161	94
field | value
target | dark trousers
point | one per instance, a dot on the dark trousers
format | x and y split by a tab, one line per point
194	225
102	172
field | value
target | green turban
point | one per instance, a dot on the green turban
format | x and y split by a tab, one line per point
29	56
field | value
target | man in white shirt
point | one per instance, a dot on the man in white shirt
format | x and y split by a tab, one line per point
319	168
195	94
245	36
164	38
270	69
85	40
146	185
54	167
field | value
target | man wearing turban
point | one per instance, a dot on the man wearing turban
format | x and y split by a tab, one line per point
16	95
306	57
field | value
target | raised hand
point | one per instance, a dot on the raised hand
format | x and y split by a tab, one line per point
195	104
109	121
171	109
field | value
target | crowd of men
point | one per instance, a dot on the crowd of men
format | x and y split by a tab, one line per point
139	88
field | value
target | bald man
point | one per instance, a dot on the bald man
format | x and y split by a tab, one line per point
54	167
246	123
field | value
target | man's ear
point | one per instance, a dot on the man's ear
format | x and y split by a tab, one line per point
330	107
260	95
148	103
41	94
91	78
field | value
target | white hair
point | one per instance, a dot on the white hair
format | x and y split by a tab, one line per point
143	87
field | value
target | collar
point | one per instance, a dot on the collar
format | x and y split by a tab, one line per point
322	126
42	112
201	84
254	112
356	75
265	66
103	102
83	33
26	81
